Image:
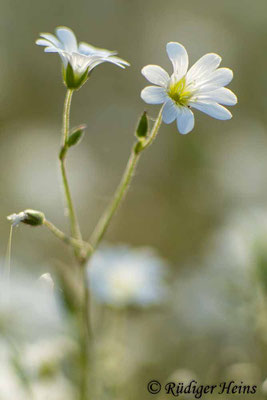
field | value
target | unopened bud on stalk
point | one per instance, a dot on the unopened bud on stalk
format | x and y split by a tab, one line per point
142	127
29	217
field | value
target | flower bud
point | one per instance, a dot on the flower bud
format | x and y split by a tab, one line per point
33	217
29	217
142	127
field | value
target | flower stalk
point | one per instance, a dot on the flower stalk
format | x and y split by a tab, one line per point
79	245
75	228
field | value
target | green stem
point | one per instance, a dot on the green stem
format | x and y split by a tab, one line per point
75	229
85	328
118	196
121	191
66	116
66	239
87	338
154	131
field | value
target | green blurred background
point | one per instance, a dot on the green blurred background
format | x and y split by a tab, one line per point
186	187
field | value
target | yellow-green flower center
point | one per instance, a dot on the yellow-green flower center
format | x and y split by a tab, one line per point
179	93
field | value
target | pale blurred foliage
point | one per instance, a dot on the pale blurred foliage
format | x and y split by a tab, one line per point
200	200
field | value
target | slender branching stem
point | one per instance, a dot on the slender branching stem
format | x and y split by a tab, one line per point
124	184
75	229
78	244
80	252
87	338
154	131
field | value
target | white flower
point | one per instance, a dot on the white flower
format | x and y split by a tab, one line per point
202	87
15	219
82	57
123	277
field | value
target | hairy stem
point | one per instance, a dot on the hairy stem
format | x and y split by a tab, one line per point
75	229
66	116
85	326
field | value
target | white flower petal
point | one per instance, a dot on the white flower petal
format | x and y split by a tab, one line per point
97	60
68	39
205	65
156	75
169	113
185	120
222	95
52	50
64	55
43	42
179	58
118	61
86	56
212	109
51	38
88	50
79	62
220	77
153	95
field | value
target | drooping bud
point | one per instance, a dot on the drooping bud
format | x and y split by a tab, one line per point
34	217
29	217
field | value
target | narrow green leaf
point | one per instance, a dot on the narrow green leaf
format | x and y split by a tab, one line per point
142	127
76	136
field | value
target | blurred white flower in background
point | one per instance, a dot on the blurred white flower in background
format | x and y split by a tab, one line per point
121	276
47	280
82	58
11	386
202	87
58	389
42	358
182	375
36	339
225	291
26	302
238	163
244	371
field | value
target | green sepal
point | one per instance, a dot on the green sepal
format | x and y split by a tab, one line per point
76	135
34	217
142	127
68	75
72	80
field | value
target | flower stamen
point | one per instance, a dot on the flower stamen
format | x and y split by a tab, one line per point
179	93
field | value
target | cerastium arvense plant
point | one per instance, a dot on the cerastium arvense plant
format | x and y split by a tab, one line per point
201	87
